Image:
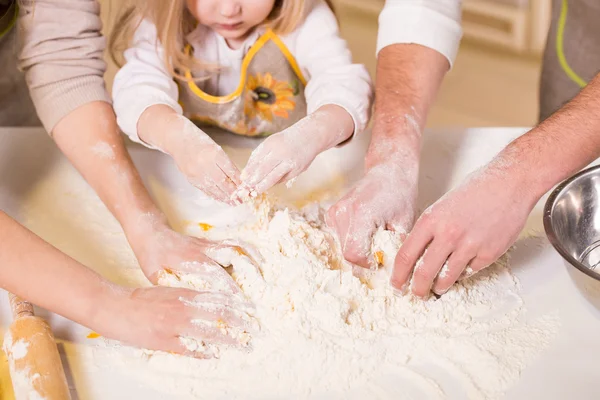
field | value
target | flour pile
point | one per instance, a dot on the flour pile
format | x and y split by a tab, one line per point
326	333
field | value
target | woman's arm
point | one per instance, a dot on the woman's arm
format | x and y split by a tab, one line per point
155	318
62	55
62	59
98	152
36	271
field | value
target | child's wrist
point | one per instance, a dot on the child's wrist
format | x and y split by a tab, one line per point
154	123
339	124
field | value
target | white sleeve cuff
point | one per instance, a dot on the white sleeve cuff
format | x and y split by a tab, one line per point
418	25
131	104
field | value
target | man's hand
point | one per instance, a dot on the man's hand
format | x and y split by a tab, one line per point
473	225
462	233
384	197
387	194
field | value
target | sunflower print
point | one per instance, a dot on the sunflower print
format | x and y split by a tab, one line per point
268	98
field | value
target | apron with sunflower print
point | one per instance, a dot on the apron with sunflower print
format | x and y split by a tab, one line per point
268	99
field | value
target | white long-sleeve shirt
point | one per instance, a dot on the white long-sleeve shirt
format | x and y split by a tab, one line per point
322	55
431	23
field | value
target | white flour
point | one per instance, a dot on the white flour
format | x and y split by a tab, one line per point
103	150
22	378
326	333
19	349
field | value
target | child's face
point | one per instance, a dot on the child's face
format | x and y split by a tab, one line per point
232	19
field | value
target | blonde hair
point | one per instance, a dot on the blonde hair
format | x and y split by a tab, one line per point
174	22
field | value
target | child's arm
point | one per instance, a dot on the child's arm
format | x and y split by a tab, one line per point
153	318
146	103
143	82
339	96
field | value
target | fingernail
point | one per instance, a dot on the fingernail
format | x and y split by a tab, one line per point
467	273
411	285
402	291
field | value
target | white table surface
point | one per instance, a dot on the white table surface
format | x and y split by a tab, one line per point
567	369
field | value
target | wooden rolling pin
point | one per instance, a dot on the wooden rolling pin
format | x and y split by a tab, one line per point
36	370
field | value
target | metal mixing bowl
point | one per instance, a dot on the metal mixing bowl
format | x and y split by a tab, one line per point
572	223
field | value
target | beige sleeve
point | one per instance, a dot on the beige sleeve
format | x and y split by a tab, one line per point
62	55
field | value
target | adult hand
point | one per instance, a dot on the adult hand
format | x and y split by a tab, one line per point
464	232
385	197
161	318
168	256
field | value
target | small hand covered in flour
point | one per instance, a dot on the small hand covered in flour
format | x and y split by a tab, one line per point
285	155
161	318
384	197
206	165
197	156
464	232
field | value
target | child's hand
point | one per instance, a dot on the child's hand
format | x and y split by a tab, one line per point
161	318
201	160
205	164
281	157
285	155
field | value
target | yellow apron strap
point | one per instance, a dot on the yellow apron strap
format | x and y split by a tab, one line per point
560	53
269	35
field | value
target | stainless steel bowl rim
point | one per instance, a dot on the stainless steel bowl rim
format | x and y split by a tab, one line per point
550	231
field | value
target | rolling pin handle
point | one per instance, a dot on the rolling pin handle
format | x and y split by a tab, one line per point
20	308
